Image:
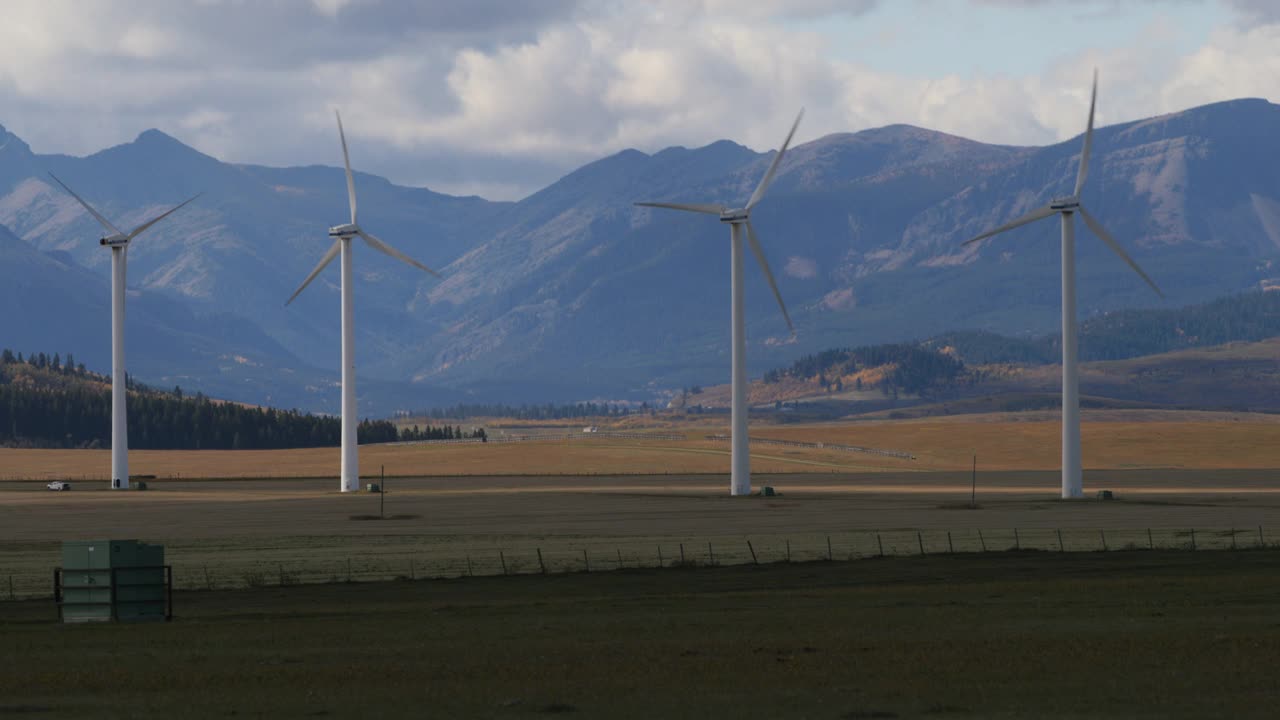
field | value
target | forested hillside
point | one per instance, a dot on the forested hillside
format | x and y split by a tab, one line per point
48	402
913	369
1131	333
940	362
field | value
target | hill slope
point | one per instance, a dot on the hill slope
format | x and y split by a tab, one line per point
1221	355
574	293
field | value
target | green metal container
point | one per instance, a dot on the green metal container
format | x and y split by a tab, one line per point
104	580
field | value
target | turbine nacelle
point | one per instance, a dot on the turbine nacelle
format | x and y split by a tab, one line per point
735	216
344	231
114	241
1066	204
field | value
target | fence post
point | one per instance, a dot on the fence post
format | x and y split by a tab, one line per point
880	543
1061	547
920	539
11	595
208	581
660	563
413	574
586	561
503	559
470	570
711	553
982	541
1233	538
754	559
1017	543
1151	543
282	573
540	563
950	548
348	568
788	550
682	553
1261	541
619	557
1103	533
1193	538
830	556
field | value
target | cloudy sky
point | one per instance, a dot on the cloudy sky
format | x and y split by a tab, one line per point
500	97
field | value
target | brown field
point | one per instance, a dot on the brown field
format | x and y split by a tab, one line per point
1112	440
631	499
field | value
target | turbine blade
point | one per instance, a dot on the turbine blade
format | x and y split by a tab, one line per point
1083	172
328	258
382	247
1030	217
1105	237
707	209
346	161
105	223
773	166
143	227
768	274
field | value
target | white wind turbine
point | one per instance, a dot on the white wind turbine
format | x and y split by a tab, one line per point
342	235
119	243
1072	480
738	220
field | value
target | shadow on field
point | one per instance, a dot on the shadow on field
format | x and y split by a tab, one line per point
1145	633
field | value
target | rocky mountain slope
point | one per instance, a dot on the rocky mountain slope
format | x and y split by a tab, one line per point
574	293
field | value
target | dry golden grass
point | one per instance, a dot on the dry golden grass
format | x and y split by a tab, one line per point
1005	442
579	457
1007	445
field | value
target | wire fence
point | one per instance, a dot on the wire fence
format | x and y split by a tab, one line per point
283	567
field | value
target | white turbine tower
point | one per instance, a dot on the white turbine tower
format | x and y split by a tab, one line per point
1072	480
342	235
740	220
119	243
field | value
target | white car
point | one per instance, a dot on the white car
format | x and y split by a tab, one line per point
59	485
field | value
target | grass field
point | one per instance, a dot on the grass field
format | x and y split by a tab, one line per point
1014	635
1112	440
228	532
275	631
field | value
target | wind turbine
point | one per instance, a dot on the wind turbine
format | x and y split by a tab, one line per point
739	220
1066	208
342	235
119	243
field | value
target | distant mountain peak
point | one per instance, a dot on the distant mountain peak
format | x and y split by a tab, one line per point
154	140
10	143
153	135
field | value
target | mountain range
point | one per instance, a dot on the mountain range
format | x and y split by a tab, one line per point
573	293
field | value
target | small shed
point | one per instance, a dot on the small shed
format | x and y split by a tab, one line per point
113	580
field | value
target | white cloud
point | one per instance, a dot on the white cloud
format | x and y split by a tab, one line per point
508	95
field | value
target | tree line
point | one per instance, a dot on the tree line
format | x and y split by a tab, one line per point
914	369
48	402
1123	334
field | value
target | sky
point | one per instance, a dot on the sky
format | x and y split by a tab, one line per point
501	97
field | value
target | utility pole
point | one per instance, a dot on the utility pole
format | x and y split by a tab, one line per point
973	487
